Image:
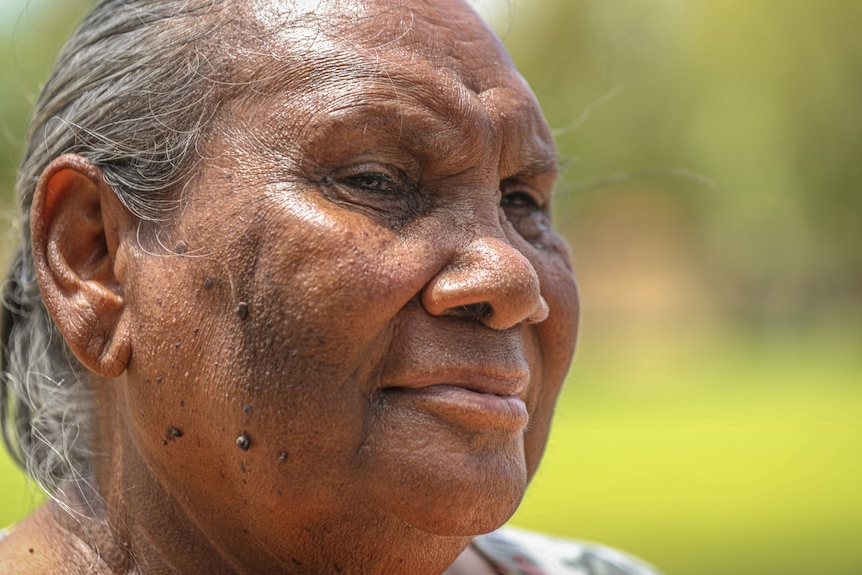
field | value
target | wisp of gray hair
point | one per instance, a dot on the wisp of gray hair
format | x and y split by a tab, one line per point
132	91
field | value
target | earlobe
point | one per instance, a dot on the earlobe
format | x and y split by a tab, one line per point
77	224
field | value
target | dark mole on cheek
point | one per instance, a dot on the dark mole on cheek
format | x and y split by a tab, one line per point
180	248
173	433
243	442
208	283
158	379
242	310
246	409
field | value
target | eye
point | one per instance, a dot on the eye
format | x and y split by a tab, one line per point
525	208
382	191
520	201
373	182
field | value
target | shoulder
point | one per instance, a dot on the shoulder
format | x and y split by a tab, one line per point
515	551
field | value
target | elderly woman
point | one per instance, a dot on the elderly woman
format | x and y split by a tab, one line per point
288	298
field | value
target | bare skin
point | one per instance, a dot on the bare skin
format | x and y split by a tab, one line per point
342	353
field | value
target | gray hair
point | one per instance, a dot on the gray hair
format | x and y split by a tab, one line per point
132	91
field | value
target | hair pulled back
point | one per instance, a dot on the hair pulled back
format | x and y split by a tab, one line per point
132	91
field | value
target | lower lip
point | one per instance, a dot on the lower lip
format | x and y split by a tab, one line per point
466	407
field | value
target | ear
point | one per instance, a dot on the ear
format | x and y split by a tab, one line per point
76	226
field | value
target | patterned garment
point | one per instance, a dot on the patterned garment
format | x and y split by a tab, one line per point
516	552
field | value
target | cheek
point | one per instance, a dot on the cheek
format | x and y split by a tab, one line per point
229	353
326	290
558	334
556	339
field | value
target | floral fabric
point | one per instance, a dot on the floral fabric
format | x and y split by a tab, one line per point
516	552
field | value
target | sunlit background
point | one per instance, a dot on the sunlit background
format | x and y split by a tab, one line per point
712	423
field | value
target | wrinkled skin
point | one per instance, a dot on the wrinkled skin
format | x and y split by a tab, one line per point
342	353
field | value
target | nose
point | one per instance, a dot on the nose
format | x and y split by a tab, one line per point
489	281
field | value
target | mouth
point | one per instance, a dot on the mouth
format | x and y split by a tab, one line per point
479	403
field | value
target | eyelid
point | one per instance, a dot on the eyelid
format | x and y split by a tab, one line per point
511	186
374	169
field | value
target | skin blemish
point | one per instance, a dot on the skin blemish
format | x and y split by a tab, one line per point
242	310
246	409
282	456
208	283
242	466
173	433
158	379
243	442
180	248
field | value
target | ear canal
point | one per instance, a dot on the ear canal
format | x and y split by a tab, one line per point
74	219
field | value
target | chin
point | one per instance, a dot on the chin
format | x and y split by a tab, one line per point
468	495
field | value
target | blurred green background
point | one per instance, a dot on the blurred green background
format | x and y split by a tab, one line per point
712	423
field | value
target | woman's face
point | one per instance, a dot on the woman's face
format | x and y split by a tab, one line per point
360	311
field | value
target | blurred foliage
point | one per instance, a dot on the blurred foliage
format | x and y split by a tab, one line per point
730	127
714	412
31	33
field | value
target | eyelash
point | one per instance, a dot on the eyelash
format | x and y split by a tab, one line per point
362	181
389	192
516	197
519	200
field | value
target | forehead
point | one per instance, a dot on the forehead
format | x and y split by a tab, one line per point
447	32
434	63
404	41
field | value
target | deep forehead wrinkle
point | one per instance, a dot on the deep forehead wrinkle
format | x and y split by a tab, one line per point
434	115
447	32
422	120
387	58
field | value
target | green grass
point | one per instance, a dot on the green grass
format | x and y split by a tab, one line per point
745	463
703	459
17	496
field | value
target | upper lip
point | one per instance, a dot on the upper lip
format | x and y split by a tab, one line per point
450	352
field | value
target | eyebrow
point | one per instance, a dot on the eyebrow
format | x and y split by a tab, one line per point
439	122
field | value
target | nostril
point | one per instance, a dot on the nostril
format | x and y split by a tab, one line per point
477	311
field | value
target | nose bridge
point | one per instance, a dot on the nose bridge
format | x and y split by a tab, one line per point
488	279
493	260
